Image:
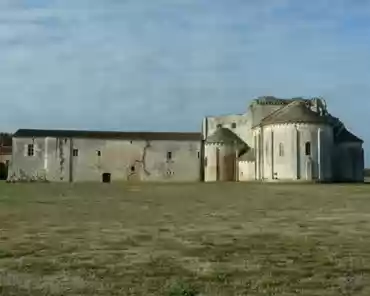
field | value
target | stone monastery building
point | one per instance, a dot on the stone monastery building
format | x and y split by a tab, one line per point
274	140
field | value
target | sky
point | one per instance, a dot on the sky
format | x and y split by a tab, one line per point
163	65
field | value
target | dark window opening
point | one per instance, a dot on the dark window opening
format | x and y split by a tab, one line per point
75	152
169	155
30	150
3	170
308	148
281	149
106	178
133	168
98	153
198	154
233	125
219	125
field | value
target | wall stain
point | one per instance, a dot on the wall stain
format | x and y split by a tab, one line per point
141	161
61	159
164	169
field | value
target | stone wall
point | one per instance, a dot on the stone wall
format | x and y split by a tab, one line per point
69	159
285	154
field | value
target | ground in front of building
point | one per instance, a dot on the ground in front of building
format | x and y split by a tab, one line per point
164	239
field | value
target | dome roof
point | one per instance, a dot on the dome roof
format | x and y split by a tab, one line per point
225	136
295	112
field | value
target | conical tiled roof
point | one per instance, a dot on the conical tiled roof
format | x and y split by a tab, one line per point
225	136
341	133
295	112
248	156
346	136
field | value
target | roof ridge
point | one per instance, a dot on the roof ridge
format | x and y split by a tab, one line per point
59	133
102	131
272	100
228	132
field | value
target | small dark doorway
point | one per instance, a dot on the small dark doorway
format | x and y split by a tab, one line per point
106	178
3	171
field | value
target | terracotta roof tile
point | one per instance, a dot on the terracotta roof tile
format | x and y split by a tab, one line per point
225	136
346	136
248	156
295	112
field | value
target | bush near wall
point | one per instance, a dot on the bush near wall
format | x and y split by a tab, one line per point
6	139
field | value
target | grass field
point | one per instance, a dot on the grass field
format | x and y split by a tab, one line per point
189	239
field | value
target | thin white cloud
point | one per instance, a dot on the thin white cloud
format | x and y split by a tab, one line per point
165	64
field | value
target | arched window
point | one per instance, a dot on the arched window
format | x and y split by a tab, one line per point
308	148
281	149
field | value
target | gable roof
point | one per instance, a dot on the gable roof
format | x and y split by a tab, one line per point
109	135
225	136
295	112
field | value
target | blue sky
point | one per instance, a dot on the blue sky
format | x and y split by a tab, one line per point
165	64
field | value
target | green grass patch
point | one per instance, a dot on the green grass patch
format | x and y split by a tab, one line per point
184	239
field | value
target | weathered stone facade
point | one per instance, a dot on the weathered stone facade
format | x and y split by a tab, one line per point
285	140
74	157
274	140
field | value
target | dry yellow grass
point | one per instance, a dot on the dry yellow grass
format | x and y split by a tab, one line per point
210	239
